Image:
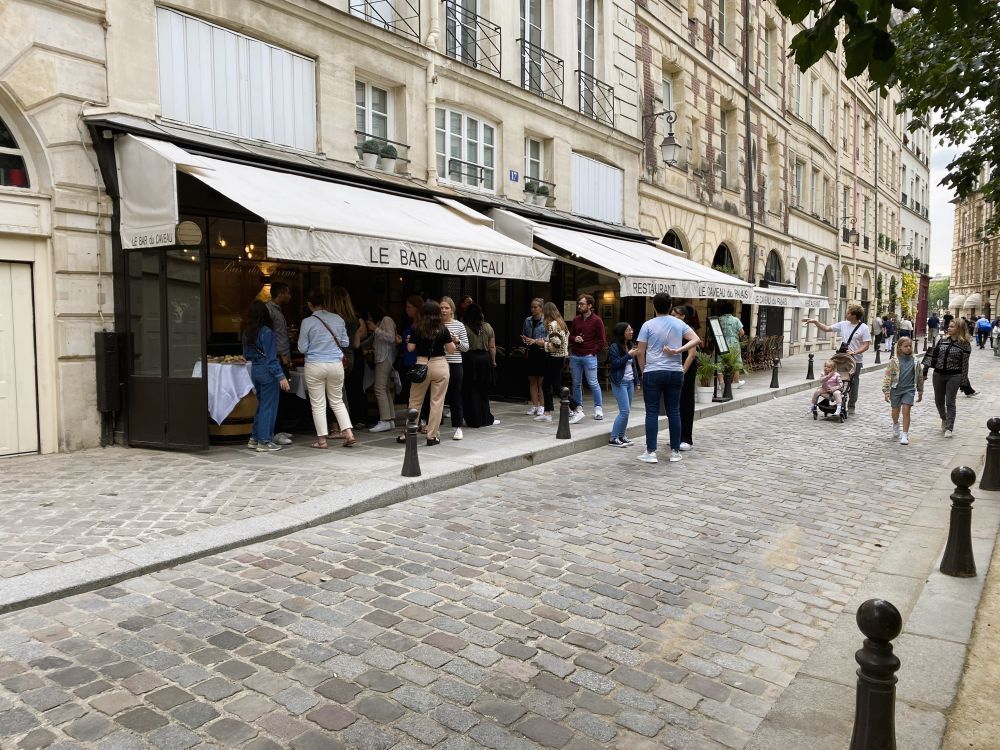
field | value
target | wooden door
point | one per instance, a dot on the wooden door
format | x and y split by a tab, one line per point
18	392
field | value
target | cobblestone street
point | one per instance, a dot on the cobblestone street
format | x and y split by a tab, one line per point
590	602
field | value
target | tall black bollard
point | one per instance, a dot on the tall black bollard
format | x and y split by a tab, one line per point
990	479
809	372
411	464
958	559
878	355
875	710
563	432
774	373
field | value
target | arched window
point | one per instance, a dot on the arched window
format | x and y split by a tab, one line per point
772	269
13	172
723	258
671	239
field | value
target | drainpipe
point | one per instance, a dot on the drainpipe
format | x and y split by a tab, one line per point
875	277
432	43
748	135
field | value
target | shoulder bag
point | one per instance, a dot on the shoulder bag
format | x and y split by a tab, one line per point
347	353
843	347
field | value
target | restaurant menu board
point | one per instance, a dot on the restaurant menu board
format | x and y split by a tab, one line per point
721	345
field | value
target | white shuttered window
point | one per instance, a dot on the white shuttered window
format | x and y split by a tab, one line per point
224	81
598	190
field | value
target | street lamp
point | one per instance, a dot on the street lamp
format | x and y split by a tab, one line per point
670	149
852	234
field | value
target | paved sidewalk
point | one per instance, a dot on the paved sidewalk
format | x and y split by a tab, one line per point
588	602
75	518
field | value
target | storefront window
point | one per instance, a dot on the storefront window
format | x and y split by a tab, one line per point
183	312
144	312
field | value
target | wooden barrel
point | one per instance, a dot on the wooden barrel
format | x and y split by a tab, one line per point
238	426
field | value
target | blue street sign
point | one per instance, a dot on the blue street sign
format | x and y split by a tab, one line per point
514	175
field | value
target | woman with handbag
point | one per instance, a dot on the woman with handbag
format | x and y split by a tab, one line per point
480	364
556	345
460	338
354	372
949	359
323	339
383	347
266	374
430	341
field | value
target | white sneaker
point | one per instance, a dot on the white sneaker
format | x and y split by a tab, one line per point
904	438
284	435
647	457
252	443
836	412
895	430
458	434
383	426
543	417
675	456
496	422
598	413
948	433
282	439
686	446
575	417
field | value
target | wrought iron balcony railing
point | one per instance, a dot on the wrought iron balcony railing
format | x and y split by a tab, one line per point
400	16
471	39
541	71
402	149
470	173
597	99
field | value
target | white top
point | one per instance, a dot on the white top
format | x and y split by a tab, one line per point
663	330
457	328
844	329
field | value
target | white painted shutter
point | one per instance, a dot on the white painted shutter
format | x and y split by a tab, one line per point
598	190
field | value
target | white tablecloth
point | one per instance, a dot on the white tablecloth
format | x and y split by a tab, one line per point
227	384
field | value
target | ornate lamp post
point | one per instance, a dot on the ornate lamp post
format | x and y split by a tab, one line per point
670	149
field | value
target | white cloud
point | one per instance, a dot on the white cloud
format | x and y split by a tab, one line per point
942	212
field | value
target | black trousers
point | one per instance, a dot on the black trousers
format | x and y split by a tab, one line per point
477	381
687	405
454	395
552	381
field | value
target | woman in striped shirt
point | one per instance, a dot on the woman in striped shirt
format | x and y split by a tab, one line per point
460	338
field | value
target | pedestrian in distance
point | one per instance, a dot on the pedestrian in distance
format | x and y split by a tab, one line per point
855	340
414	303
688	314
662	343
949	360
460	338
382	329
556	351
354	371
480	364
624	375
533	338
983	330
829	387
281	295
323	339
587	339
933	326
905	328
878	331
732	329
903	381
889	327
266	374
431	341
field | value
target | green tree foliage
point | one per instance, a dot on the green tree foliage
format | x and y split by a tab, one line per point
938	290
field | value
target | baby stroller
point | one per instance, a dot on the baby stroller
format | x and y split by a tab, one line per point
844	364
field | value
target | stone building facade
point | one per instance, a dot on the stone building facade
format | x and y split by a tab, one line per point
975	260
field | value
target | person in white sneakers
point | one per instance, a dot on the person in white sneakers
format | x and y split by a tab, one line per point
662	343
460	338
533	339
903	378
587	339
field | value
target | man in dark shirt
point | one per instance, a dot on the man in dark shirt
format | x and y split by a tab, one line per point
586	340
933	326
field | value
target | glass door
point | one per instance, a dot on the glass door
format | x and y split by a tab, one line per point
168	398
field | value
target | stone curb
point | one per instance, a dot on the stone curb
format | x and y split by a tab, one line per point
41	586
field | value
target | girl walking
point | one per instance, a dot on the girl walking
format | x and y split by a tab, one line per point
902	380
624	374
950	361
556	345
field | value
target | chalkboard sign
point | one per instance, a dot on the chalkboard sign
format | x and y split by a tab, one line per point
721	345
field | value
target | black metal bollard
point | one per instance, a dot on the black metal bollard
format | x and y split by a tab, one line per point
411	464
878	355
958	559
809	372
875	710
727	383
563	432
990	480
774	373
925	343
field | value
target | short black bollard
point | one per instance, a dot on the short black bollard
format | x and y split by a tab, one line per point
875	710
925	343
958	559
809	372
990	480
563	432
727	386
774	373
878	355
411	464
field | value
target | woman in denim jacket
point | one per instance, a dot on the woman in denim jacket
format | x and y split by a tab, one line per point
624	374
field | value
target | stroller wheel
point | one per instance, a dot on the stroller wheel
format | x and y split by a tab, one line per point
815	416
843	415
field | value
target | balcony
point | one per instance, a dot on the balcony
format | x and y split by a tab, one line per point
538	192
386	162
400	16
597	99
541	71
471	39
469	173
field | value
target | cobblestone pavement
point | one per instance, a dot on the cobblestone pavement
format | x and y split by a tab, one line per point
63	508
591	602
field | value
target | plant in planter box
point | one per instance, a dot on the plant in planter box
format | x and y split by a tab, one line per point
542	195
388	154
530	188
704	374
370	151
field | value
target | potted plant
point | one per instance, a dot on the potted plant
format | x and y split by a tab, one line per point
388	154
530	188
704	374
370	151
542	195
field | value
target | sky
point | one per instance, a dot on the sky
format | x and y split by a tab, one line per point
942	212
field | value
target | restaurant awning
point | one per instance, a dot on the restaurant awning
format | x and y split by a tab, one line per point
776	297
642	268
318	221
973	302
956	302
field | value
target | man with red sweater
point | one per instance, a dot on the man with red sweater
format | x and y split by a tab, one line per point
586	339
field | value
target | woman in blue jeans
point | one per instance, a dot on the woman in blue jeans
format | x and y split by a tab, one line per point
624	374
266	374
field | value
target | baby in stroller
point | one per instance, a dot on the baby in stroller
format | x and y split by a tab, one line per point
834	387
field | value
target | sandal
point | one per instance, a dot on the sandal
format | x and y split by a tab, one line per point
433	441
319	445
350	442
336	435
401	438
